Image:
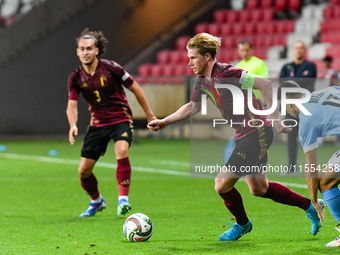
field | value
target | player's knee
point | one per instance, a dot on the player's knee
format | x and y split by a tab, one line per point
84	172
121	152
258	191
221	187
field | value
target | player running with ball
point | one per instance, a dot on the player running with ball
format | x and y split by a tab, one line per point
252	143
101	82
324	107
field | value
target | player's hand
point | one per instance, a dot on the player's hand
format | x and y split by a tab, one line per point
73	132
319	209
156	125
280	128
151	118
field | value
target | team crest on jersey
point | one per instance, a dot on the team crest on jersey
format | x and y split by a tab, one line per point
103	80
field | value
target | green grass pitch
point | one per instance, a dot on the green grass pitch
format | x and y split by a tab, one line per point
41	199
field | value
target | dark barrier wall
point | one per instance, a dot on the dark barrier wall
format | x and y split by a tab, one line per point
33	96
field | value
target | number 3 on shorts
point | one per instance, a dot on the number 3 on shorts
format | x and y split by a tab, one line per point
96	92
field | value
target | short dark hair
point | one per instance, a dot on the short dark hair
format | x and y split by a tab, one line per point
288	84
245	41
328	59
98	35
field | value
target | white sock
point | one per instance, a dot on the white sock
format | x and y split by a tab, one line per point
123	197
97	200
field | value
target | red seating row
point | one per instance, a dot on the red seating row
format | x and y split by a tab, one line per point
166	70
226	56
256	40
332	12
272	27
225	15
332	37
333	51
172	56
280	5
160	79
330	25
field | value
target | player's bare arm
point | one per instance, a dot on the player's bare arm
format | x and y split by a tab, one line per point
72	116
311	174
185	112
266	88
142	100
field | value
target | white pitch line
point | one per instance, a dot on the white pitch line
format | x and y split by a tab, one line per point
98	164
110	165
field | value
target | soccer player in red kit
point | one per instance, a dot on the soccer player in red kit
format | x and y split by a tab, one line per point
252	142
101	82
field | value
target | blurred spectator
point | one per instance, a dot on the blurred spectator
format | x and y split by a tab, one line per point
331	75
304	73
251	63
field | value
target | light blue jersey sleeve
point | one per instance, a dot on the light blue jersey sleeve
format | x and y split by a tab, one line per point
324	106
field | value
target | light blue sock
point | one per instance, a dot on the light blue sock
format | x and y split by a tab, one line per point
332	198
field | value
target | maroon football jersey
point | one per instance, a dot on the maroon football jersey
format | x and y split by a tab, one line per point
227	74
103	91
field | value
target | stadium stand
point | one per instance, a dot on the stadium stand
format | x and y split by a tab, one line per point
259	21
10	9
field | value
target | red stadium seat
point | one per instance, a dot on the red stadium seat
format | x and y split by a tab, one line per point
249	28
261	28
181	42
228	42
214	29
201	28
336	11
294	5
280	5
163	56
232	16
266	3
234	56
157	70
280	39
290	25
259	41
251	4
220	15
183	69
256	15
144	69
269	40
169	70
222	55
226	29
281	27
238	28
245	15
335	2
268	14
260	52
336	63
178	56
328	12
334	51
270	27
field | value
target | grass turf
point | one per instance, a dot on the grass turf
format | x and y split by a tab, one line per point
42	198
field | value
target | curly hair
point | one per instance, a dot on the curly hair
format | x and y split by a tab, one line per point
97	36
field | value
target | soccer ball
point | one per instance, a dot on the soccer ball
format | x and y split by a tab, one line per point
138	227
